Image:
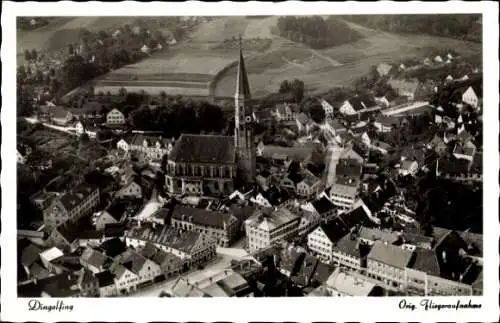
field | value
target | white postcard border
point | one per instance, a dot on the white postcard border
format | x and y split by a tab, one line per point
248	309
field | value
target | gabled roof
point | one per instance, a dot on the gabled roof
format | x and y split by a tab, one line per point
51	254
362	102
30	254
348	167
131	260
202	216
61	285
334	229
208	149
404	85
94	258
105	279
358	216
323	205
138	140
292	153
75	197
310	179
378	235
113	247
384	68
164	235
427	262
390	255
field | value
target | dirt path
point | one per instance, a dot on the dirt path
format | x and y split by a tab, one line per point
330	60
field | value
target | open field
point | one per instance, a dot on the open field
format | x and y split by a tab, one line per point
194	63
318	69
64	30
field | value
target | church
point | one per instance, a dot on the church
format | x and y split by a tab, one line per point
209	164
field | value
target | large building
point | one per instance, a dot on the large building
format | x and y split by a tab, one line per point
224	227
73	205
269	226
207	164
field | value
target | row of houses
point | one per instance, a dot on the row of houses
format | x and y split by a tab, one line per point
91	111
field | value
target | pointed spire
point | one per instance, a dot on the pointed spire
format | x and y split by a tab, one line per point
242	85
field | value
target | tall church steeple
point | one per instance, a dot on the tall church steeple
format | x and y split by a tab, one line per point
243	132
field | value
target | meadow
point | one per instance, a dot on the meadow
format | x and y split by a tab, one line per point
199	58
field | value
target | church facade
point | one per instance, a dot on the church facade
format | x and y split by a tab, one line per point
209	164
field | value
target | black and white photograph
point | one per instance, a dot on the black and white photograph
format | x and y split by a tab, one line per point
250	156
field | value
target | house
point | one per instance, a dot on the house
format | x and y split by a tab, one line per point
86	126
20	158
345	190
57	286
406	88
283	156
383	69
309	186
269	226
144	269
471	96
308	220
438	59
327	108
284	112
324	237
192	247
123	145
384	123
437	143
408	167
131	189
60	116
381	146
95	261
70	206
115	213
465	150
48	256
115	117
346	283
303	122
350	253
145	49
150	147
224	227
106	283
427	61
387	263
324	206
449	78
359	104
169	263
336	125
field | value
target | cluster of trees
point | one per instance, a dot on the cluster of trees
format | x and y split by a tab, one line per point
316	32
295	88
178	116
459	26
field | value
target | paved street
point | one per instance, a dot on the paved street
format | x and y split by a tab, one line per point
223	260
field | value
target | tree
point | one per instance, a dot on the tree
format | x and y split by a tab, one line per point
122	92
84	138
27	55
71	49
317	113
163	97
297	88
34	54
